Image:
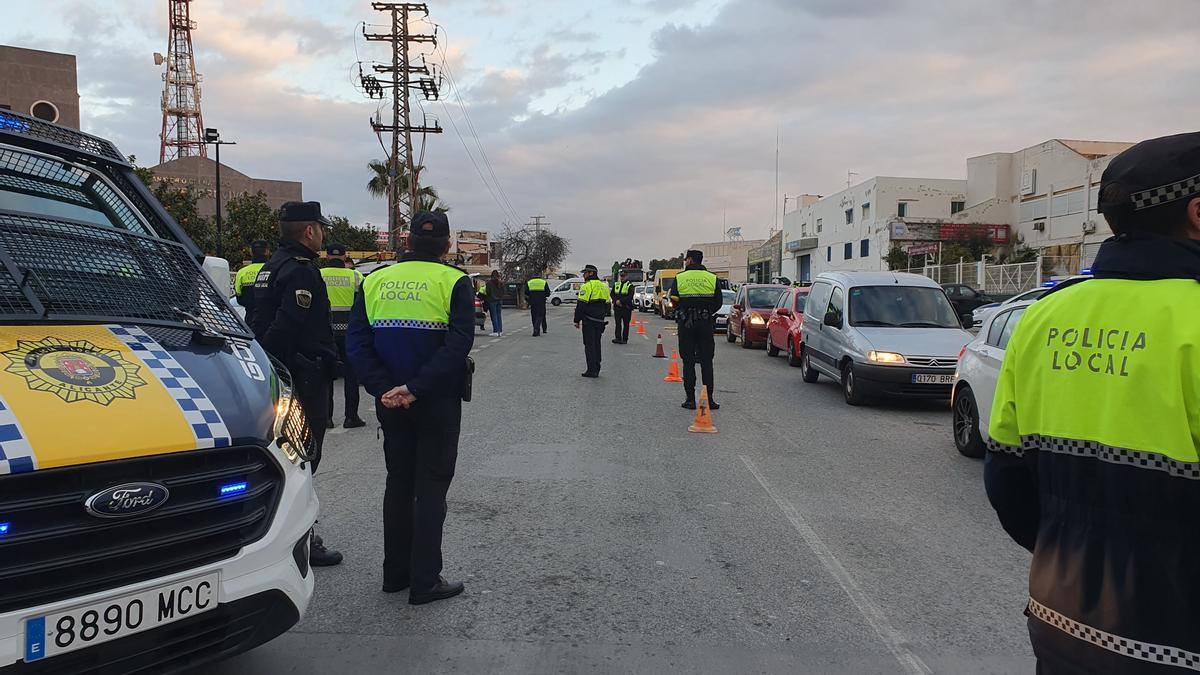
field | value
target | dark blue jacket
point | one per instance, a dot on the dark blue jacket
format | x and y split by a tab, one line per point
432	363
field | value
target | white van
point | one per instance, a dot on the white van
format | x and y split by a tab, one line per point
566	291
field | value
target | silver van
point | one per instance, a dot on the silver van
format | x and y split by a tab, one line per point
881	334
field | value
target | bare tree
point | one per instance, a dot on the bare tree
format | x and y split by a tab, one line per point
526	252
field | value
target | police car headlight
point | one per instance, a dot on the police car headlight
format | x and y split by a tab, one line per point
886	358
291	429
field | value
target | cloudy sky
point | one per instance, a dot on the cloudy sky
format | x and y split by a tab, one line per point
637	126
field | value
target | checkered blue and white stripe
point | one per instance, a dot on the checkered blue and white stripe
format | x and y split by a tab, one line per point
1187	187
198	410
410	323
16	455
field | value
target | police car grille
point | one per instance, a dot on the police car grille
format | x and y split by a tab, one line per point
55	549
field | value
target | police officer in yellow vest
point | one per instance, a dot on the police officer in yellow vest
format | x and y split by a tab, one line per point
411	331
1094	449
342	281
622	302
697	295
243	281
536	292
591	310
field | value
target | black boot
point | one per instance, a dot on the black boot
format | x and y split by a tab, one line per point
354	422
441	590
712	405
319	556
689	404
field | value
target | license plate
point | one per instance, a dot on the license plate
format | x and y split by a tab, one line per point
932	379
115	618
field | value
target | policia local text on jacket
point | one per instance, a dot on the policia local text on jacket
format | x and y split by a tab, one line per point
1094	462
698	300
536	293
341	284
413	324
591	310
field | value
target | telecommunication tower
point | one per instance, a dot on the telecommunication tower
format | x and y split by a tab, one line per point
182	123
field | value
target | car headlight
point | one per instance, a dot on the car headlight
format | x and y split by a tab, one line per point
889	358
291	429
757	320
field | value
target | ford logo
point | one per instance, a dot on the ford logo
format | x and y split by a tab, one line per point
122	501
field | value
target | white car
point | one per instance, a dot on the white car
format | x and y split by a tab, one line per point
976	376
566	291
721	322
982	312
643	297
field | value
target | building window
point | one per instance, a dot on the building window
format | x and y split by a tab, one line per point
849	252
819	225
849	216
44	110
955	207
901	209
828	254
866	212
864	248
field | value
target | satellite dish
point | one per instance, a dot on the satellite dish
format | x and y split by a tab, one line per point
159	59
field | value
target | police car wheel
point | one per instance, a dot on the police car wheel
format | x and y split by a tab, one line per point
966	425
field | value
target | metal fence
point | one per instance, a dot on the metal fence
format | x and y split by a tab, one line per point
1008	279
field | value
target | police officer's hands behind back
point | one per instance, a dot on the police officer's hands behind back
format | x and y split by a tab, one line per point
398	397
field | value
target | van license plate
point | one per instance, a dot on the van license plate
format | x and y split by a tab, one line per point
115	618
932	379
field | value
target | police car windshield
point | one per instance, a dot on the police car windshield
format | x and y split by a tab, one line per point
901	307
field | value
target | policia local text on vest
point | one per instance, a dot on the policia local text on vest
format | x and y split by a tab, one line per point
341	283
1093	462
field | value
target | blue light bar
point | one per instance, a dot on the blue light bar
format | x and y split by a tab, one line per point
1086	270
4	529
1049	284
233	488
13	123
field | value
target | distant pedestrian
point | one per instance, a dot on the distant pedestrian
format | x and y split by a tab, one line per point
536	292
622	303
493	294
410	348
342	281
591	310
697	298
1094	437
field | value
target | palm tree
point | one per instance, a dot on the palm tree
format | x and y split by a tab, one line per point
427	196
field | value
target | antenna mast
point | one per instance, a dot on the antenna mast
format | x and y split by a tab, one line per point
182	123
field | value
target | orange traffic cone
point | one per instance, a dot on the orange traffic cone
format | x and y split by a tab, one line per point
658	349
673	373
703	423
674	354
642	328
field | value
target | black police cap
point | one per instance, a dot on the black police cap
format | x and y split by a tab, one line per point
590	268
302	212
336	249
430	224
1152	173
695	254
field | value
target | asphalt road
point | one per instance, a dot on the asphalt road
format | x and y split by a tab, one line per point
596	535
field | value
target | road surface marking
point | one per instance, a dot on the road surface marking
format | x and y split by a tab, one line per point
874	616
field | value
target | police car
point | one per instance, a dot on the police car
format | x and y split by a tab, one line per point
156	501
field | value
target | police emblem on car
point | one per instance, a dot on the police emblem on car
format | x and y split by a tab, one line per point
130	499
75	370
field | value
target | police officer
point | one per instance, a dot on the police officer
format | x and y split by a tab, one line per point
590	313
243	281
1094	456
411	331
697	297
342	282
622	303
292	324
536	292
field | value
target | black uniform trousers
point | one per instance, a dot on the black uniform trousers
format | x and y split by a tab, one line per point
696	345
311	389
349	381
622	315
593	333
420	447
537	312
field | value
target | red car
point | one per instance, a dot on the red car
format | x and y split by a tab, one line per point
751	309
783	328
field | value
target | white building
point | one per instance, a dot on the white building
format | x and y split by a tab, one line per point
728	256
854	229
1046	194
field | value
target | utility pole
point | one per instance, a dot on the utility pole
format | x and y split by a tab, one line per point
537	222
402	81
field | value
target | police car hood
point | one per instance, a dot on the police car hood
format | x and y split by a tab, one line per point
944	342
76	394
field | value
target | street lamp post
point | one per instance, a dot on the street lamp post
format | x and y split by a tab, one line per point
213	137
